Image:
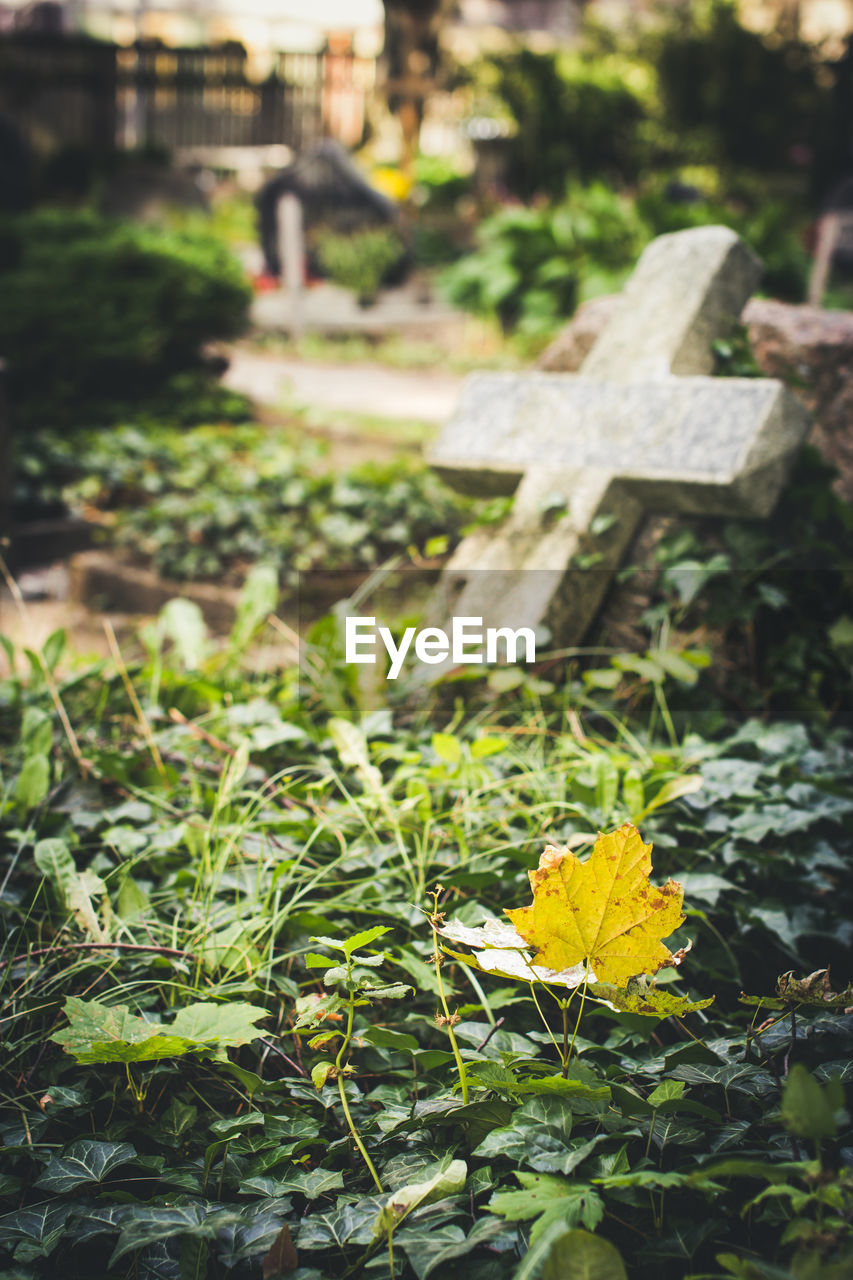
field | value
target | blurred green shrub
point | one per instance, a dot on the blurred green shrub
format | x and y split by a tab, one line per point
100	317
360	260
533	265
530	263
576	119
438	182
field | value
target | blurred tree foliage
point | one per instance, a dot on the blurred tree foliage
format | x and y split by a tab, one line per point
697	87
735	98
579	120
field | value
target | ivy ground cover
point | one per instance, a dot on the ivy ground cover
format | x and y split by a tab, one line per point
263	1012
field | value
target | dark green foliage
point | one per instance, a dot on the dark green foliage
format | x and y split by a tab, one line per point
209	503
778	595
734	97
97	316
438	183
573	124
226	866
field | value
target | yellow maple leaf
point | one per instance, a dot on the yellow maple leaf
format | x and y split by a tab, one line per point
603	911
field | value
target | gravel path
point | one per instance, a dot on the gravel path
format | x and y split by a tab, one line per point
373	390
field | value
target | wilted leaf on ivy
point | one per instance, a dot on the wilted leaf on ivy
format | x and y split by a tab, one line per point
815	988
281	1257
447	1181
603	912
651	1001
53	859
503	952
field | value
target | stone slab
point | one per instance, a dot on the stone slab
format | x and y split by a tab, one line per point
665	436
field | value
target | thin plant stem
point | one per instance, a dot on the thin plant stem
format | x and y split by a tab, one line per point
484	1002
355	1134
545	1023
580	1012
133	699
53	689
448	1017
564	1005
98	946
665	716
339	1071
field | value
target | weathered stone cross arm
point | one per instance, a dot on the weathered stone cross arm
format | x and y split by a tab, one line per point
641	427
714	446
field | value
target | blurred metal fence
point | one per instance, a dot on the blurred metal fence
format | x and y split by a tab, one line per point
62	90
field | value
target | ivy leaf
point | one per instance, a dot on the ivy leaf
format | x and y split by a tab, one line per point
603	911
312	1183
539	1137
152	1223
42	1226
741	1077
83	1162
429	1248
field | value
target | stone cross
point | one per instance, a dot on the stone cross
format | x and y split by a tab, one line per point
291	241
642	427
